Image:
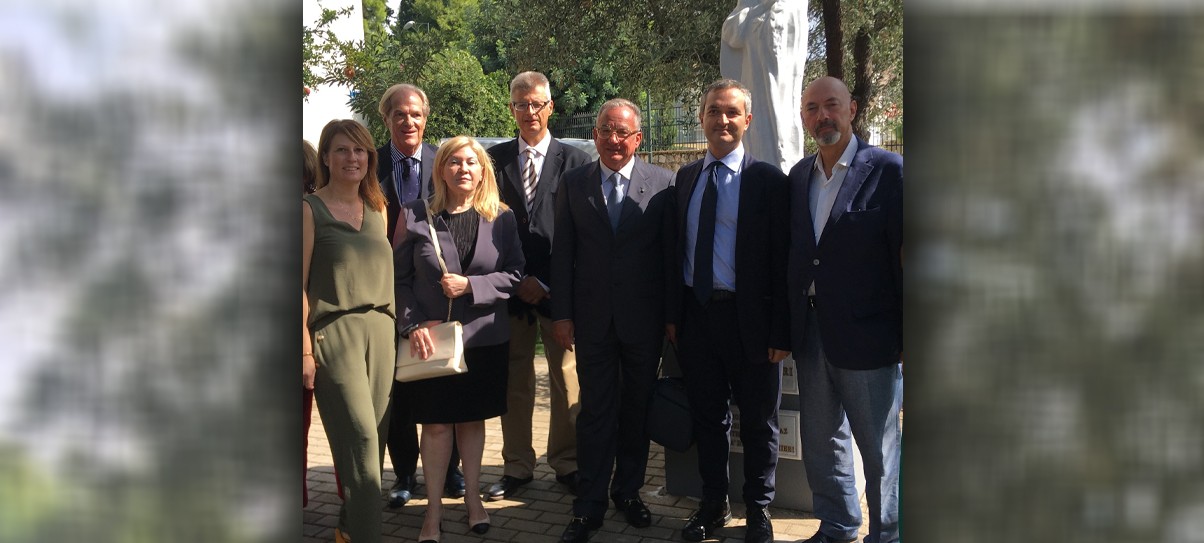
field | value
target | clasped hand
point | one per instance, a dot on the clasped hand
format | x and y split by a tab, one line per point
422	344
454	286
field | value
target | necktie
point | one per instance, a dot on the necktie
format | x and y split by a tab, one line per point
409	180
614	202
530	179
704	244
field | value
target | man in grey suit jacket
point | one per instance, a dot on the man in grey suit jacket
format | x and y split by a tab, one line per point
404	170
728	312
846	290
529	169
608	282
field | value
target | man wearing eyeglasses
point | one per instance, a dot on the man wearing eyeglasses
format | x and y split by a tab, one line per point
608	301
728	313
529	169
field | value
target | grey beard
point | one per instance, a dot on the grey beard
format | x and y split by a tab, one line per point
831	138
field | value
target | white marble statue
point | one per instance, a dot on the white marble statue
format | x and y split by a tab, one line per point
765	47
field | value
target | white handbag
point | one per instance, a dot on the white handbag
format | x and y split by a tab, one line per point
448	337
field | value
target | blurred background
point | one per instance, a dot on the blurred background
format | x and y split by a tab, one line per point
1055	336
143	253
1055	268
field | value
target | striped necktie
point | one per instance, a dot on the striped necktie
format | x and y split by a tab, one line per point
530	179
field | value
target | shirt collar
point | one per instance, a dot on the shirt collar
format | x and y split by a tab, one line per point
732	160
541	148
625	171
845	159
398	155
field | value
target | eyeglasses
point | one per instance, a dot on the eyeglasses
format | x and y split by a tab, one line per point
533	107
606	132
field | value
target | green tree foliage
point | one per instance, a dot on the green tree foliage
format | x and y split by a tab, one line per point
595	50
868	55
464	100
376	16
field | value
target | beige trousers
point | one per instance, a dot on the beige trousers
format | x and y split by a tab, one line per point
517	450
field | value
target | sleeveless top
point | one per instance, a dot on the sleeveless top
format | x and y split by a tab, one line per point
350	270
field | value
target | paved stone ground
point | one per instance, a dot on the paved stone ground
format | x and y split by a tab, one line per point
539	512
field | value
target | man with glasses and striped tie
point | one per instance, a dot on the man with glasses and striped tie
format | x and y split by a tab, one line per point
528	169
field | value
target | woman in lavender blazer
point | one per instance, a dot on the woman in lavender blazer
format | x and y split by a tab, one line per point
478	236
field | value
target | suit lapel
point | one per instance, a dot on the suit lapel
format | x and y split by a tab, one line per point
511	170
428	168
858	171
596	199
802	200
451	256
749	202
551	164
637	191
690	175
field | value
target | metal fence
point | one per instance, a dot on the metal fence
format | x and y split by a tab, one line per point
673	128
665	128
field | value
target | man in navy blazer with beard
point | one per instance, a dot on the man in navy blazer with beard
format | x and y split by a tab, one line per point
846	290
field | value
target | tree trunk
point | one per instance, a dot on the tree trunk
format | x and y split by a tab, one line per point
834	38
863	66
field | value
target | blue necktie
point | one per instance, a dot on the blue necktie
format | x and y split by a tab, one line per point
704	244
409	181
614	204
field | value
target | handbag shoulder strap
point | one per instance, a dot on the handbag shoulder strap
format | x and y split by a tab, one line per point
430	224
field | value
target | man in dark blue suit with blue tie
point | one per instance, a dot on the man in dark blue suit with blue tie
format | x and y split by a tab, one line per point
846	290
727	312
404	170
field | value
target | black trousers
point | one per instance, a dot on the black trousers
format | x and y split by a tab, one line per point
716	371
616	381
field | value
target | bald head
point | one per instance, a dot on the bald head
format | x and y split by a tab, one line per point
828	111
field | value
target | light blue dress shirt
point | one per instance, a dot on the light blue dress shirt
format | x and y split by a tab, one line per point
727	209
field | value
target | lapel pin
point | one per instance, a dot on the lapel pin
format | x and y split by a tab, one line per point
641	190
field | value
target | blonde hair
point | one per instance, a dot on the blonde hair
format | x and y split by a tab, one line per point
369	188
485	198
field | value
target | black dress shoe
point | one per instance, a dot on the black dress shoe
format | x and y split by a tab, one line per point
637	514
505	487
401	492
709	517
758	528
454	487
572	480
820	537
579	529
480	527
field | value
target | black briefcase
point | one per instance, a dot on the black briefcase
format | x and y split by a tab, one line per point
669	420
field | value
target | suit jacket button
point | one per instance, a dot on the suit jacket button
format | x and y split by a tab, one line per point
815	262
523	220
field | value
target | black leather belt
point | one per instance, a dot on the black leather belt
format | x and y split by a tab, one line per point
722	295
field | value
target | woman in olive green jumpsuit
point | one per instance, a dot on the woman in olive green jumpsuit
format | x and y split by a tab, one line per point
348	347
